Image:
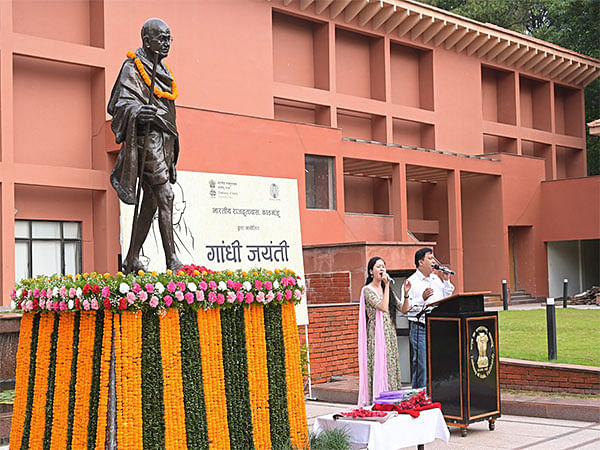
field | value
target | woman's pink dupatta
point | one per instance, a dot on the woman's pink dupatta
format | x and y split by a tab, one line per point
380	383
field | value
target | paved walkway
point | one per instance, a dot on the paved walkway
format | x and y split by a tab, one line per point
512	432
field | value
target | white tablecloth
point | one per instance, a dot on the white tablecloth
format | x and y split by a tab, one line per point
397	432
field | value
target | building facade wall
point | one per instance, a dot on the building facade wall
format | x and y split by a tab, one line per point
241	64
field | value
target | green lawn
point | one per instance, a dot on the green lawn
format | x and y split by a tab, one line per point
523	335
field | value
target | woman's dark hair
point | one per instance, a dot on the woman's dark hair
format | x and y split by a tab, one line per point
391	302
370	266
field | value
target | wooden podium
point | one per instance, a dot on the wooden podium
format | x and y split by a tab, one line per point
462	360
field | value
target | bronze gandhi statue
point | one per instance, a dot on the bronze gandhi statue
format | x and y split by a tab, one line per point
150	142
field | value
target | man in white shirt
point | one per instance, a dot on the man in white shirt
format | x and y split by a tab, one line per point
421	289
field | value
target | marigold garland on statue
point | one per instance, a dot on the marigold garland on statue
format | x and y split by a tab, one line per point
160	94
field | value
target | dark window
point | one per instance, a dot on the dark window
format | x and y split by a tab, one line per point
320	182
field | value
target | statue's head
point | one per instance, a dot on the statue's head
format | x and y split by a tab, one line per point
156	37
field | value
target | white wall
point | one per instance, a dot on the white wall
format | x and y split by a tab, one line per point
563	262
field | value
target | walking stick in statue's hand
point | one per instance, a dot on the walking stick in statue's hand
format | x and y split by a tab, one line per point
143	157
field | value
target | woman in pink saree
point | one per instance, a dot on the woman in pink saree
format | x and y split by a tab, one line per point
379	368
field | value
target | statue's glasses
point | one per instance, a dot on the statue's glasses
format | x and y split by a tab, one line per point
163	39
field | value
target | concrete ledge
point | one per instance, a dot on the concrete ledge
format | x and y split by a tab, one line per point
551	407
550	365
549	377
10	323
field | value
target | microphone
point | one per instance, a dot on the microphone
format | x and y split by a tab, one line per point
390	279
444	269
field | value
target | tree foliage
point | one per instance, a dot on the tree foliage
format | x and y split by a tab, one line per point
572	24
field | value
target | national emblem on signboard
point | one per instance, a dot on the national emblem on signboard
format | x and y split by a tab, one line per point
274	191
482	352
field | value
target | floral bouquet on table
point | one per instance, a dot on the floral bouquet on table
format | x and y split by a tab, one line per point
406	402
402	395
365	414
192	286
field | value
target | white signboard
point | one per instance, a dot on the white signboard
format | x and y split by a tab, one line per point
224	221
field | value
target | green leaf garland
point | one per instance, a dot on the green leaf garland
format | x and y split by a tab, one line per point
278	412
193	388
95	387
235	366
152	383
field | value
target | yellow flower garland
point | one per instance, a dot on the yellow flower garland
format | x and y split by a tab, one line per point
170	346
160	94
295	387
42	363
258	378
22	379
213	378
131	428
120	388
104	379
64	356
85	360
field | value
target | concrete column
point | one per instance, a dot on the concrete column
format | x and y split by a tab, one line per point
7	187
455	227
398	202
332	73
8	240
553	162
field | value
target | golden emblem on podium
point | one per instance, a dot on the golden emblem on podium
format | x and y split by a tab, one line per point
482	352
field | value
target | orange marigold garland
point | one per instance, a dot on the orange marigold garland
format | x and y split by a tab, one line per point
22	379
38	416
119	382
104	379
278	407
258	379
170	345
265	334
131	389
295	386
160	94
85	357
63	373
209	330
